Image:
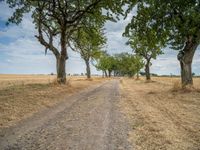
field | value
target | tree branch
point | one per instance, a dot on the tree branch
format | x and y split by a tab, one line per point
40	37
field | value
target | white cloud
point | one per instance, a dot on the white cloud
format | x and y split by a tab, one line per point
26	55
25	29
168	63
5	11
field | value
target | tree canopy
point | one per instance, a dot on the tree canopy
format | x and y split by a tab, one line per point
123	64
174	23
89	43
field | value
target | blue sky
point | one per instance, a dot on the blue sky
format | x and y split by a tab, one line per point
21	53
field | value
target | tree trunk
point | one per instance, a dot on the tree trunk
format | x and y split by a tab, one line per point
88	69
61	74
186	63
109	73
106	73
186	73
137	75
147	70
61	59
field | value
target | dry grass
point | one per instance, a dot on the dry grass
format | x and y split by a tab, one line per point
162	118
176	86
8	80
18	101
173	80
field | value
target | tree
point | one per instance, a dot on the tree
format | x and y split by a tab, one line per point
89	40
110	65
129	64
57	20
88	44
177	25
144	45
123	64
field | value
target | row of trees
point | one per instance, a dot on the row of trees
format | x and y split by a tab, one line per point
61	21
123	64
78	24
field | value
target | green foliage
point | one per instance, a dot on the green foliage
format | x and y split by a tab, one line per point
122	64
142	38
173	21
144	44
159	23
128	64
103	62
139	63
89	41
144	47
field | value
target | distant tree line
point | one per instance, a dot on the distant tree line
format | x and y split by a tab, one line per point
123	64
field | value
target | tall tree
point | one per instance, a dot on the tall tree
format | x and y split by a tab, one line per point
177	24
89	42
59	19
144	44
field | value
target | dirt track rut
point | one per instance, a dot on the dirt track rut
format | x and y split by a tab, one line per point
89	120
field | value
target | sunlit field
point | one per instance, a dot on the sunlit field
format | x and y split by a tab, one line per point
176	80
162	115
7	80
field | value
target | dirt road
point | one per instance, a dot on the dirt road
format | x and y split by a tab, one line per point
88	120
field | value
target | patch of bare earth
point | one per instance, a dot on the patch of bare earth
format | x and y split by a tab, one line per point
20	101
161	118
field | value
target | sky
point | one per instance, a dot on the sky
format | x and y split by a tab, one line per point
21	53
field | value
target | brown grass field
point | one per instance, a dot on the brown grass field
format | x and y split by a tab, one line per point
23	95
162	115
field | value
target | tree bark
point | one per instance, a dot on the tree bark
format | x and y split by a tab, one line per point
147	70
106	73
186	63
88	72
61	74
109	73
137	75
61	60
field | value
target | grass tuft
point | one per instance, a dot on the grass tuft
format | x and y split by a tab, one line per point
177	87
